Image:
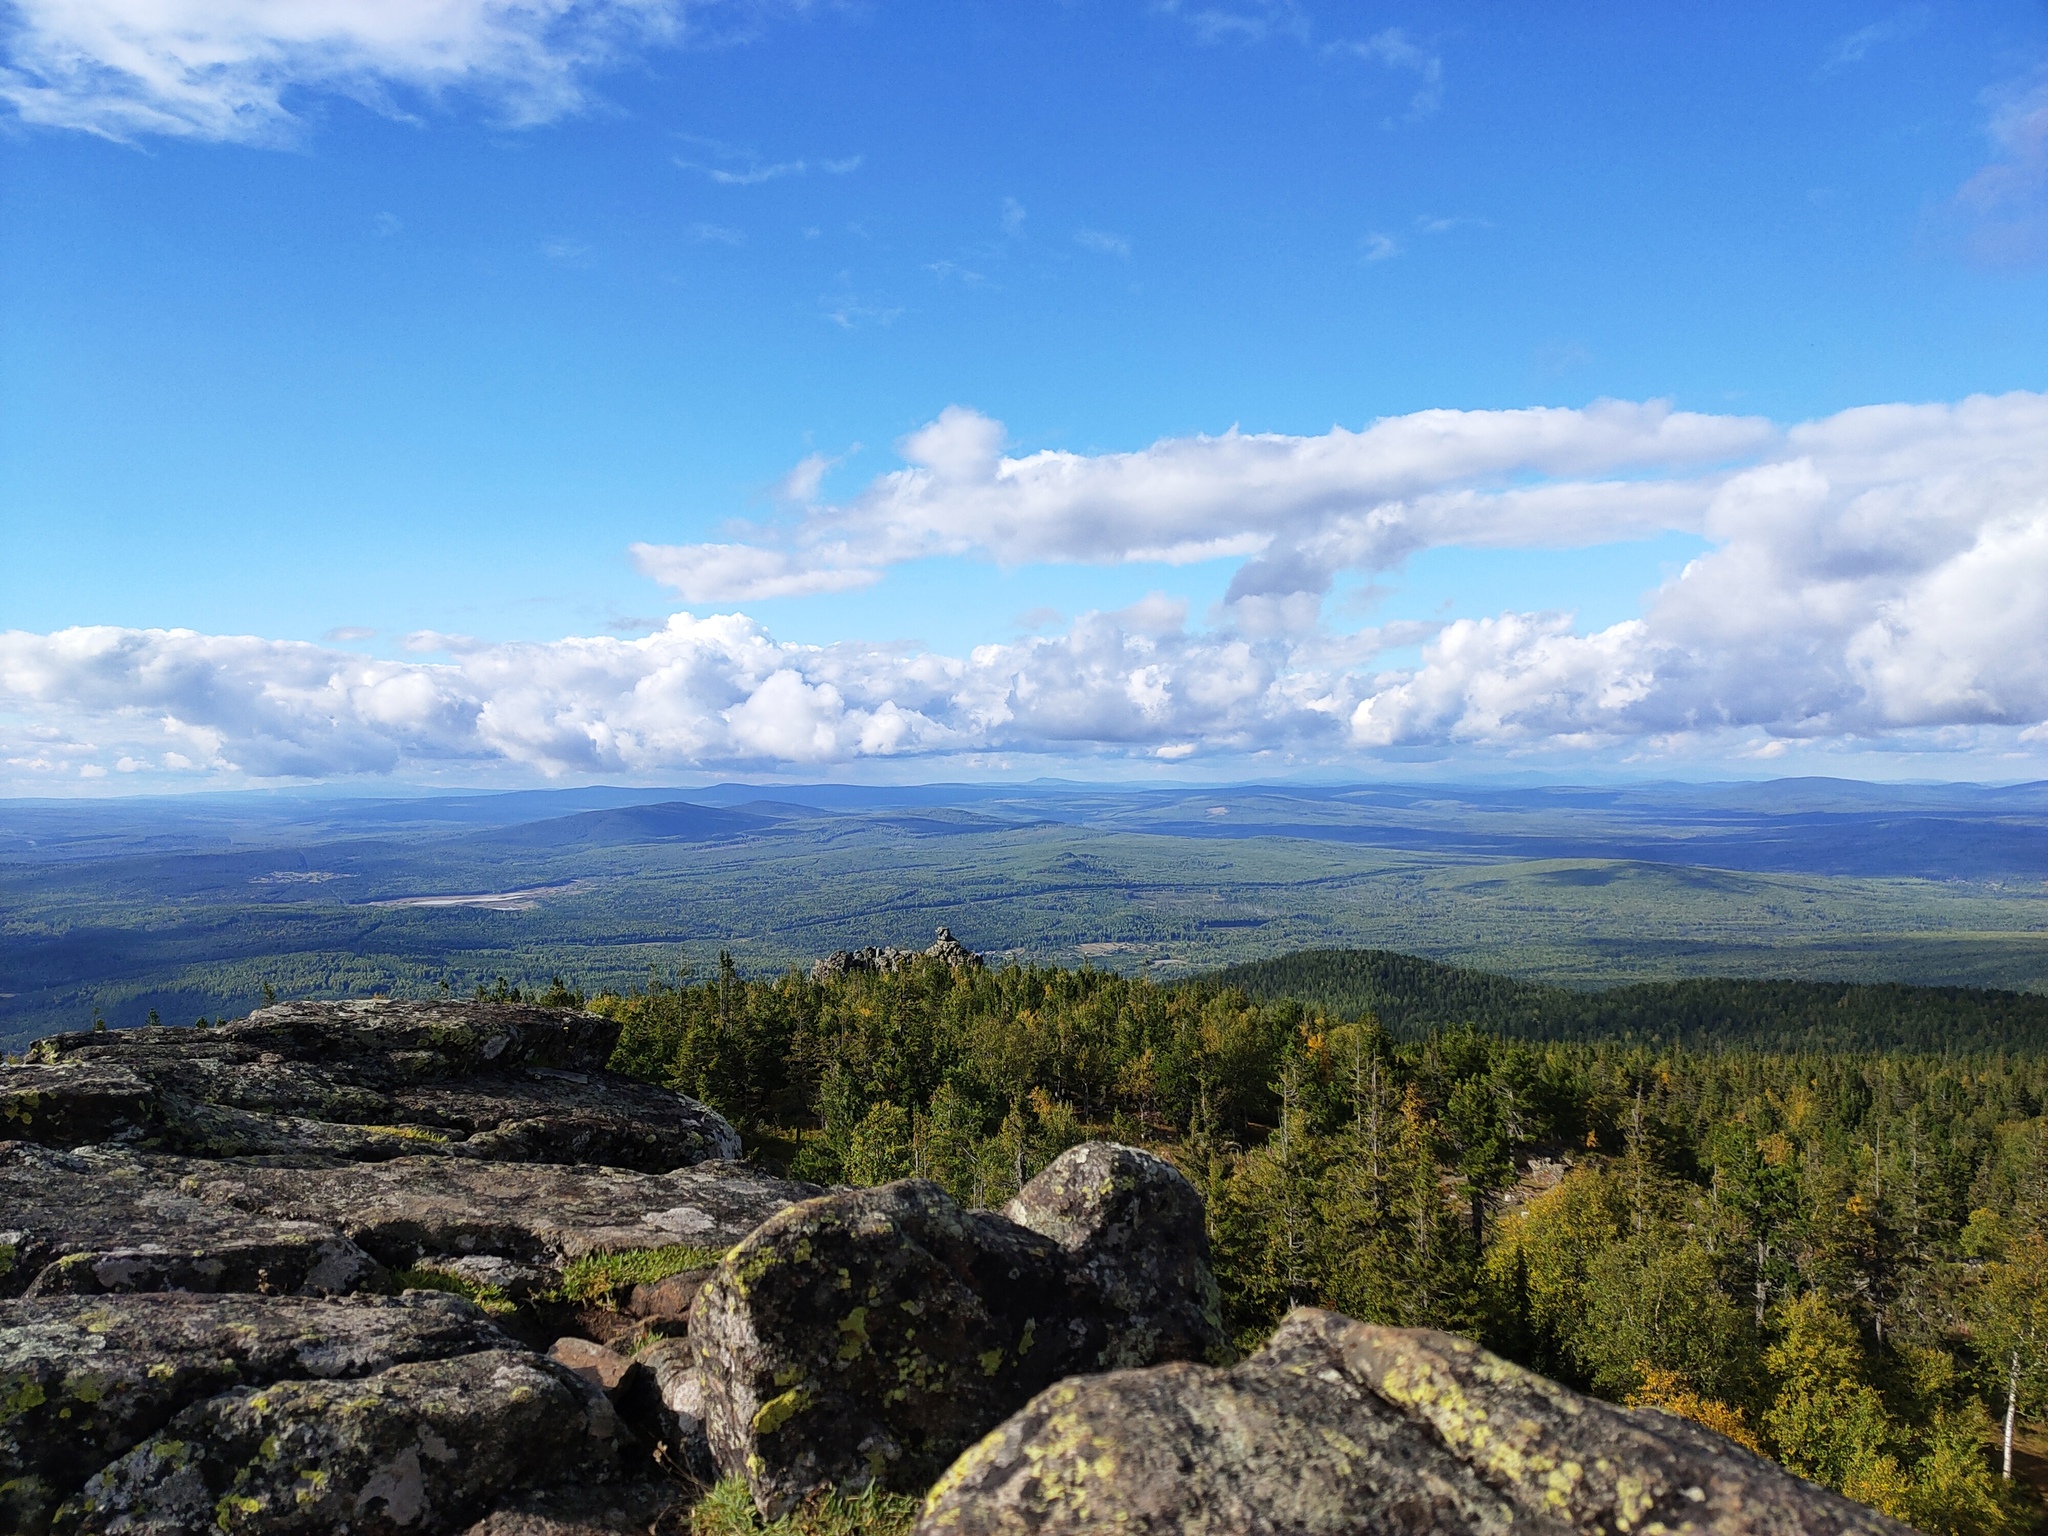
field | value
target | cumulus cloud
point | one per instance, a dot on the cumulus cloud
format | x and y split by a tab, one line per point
1878	576
1300	509
236	69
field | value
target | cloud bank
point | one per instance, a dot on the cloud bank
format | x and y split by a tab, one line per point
231	69
1879	577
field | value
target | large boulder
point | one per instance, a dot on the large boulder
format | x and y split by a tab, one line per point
1340	1427
362	1081
1131	1226
869	1336
84	1380
419	1448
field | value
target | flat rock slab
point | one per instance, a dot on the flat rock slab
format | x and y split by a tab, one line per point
420	1449
362	1081
410	1209
107	1220
83	1380
99	1220
1341	1427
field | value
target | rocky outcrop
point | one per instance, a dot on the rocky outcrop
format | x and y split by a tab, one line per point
871	1335
886	959
1339	1427
362	1082
204	1233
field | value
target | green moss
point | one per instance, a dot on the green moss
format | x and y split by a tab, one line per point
7	1252
489	1297
409	1132
728	1510
597	1278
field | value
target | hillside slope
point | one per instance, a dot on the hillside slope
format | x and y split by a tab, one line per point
1412	996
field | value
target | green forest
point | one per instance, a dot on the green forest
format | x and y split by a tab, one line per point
1837	1257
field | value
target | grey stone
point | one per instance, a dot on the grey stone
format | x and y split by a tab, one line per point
665	1406
871	1335
106	1220
1340	1427
1132	1228
442	1209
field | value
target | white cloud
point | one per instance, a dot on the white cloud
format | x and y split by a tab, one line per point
1379	247
240	69
1396	50
1300	508
1102	242
1879	576
1854	47
2006	203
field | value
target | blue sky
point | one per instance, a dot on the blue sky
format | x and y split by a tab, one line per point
373	336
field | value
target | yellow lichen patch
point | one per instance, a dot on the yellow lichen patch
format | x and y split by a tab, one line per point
20	1395
854	1327
991	1360
778	1411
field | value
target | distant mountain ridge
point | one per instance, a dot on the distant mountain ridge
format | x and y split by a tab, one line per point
1412	996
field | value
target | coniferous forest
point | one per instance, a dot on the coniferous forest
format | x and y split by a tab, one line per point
1839	1258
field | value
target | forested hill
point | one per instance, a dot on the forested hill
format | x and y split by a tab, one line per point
1411	996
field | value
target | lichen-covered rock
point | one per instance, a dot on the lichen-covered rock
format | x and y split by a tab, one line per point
871	1335
1132	1228
1590	1464
364	1081
417	1449
100	1220
85	1379
1340	1427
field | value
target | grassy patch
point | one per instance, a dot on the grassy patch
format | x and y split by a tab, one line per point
596	1278
489	1297
728	1510
409	1132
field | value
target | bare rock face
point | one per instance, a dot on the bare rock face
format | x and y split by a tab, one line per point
869	1336
84	1380
362	1081
1340	1427
426	1446
409	1210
